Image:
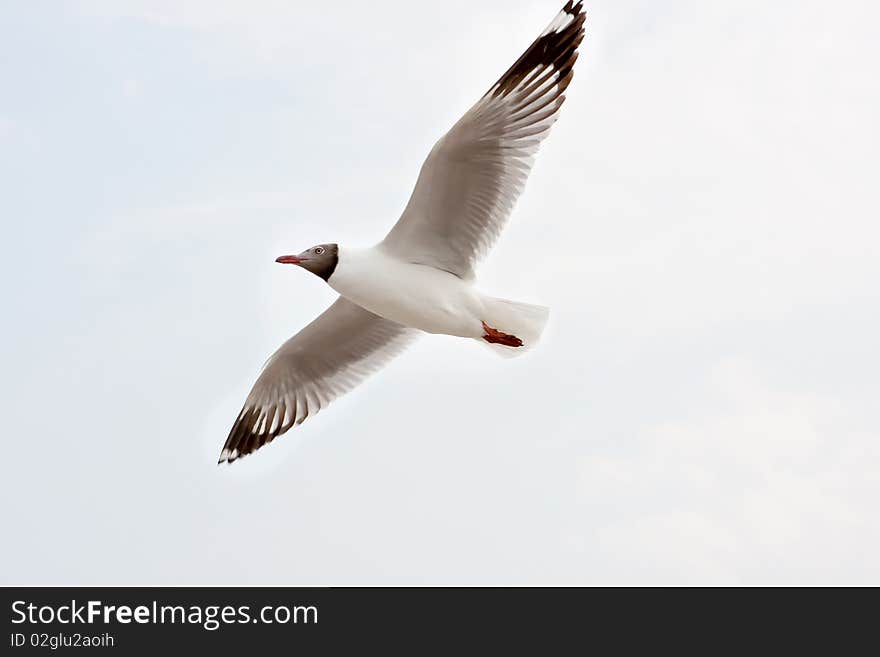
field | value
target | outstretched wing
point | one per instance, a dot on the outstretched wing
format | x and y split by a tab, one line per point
474	174
329	357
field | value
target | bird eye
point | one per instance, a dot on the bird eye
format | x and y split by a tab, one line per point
319	250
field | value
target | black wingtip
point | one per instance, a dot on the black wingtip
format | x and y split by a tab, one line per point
572	8
227	456
556	47
244	440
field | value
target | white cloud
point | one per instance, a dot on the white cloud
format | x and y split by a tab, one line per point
759	486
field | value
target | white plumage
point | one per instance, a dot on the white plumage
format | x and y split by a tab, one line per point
421	276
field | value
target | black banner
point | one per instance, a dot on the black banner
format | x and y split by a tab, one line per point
226	619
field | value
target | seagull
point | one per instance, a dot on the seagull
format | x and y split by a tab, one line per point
420	278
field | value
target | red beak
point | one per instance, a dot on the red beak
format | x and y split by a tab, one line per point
289	260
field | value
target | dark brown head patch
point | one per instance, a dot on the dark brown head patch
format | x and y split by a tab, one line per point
322	260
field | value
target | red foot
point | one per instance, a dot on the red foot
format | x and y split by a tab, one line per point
494	336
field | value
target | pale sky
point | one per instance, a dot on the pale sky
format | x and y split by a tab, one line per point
702	221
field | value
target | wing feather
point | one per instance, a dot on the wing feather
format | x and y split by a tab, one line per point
470	181
329	357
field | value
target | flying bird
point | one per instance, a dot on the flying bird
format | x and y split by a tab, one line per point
420	278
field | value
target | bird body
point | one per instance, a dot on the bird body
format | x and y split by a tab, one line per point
420	278
418	296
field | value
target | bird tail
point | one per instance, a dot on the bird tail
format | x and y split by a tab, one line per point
512	328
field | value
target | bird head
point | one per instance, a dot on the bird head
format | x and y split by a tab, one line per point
321	260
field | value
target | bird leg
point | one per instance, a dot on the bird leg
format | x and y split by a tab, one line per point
494	336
